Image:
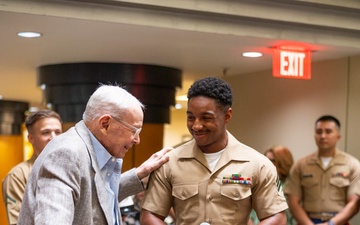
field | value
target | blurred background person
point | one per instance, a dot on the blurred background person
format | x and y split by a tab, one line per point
42	127
324	186
283	160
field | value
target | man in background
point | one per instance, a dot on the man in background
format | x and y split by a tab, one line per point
42	127
324	187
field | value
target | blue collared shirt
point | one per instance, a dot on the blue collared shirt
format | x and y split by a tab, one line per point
110	171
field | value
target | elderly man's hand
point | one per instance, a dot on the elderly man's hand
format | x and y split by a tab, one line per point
154	162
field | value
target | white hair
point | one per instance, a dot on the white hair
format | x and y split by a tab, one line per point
109	99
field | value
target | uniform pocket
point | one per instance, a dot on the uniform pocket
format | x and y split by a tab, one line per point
235	198
312	189
186	199
338	187
339	182
185	192
309	183
235	192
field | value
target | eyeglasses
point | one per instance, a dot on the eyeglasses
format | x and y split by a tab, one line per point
134	130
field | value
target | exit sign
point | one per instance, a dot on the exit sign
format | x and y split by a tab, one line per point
291	62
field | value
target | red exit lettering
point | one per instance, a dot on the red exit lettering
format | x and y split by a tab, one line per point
292	64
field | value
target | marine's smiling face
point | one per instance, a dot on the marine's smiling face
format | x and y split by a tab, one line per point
206	122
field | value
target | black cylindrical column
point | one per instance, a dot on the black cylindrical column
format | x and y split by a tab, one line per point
69	86
12	115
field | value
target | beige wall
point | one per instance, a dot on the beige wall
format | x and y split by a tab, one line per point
176	131
353	118
353	114
270	110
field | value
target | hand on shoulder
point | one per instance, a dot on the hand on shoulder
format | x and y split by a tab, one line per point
155	161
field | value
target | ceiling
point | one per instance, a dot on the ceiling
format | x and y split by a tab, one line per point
69	39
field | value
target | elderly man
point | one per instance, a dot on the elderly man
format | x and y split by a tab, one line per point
77	179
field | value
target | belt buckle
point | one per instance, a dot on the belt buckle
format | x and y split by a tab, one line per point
326	216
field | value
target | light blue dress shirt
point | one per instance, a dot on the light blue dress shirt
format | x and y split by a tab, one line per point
110	171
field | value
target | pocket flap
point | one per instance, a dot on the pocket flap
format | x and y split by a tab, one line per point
339	182
236	192
184	192
309	182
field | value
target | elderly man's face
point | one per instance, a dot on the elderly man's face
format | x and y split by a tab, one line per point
119	135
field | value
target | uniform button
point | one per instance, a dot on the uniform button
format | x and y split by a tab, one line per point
112	159
108	174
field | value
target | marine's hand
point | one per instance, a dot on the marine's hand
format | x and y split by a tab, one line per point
154	162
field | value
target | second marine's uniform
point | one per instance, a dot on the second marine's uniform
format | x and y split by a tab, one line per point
324	191
13	188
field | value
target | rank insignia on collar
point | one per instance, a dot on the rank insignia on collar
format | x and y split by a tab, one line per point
236	179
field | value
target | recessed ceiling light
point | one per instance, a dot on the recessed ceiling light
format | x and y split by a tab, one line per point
29	34
252	54
33	109
178	106
181	98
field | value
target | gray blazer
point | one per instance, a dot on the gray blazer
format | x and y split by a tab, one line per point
65	185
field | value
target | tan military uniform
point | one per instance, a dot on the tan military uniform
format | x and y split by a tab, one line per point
324	190
199	195
13	188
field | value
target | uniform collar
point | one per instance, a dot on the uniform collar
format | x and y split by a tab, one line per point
338	158
191	150
33	158
234	151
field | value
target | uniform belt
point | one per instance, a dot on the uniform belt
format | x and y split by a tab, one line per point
324	216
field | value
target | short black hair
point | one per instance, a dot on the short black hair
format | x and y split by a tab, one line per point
212	87
329	118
